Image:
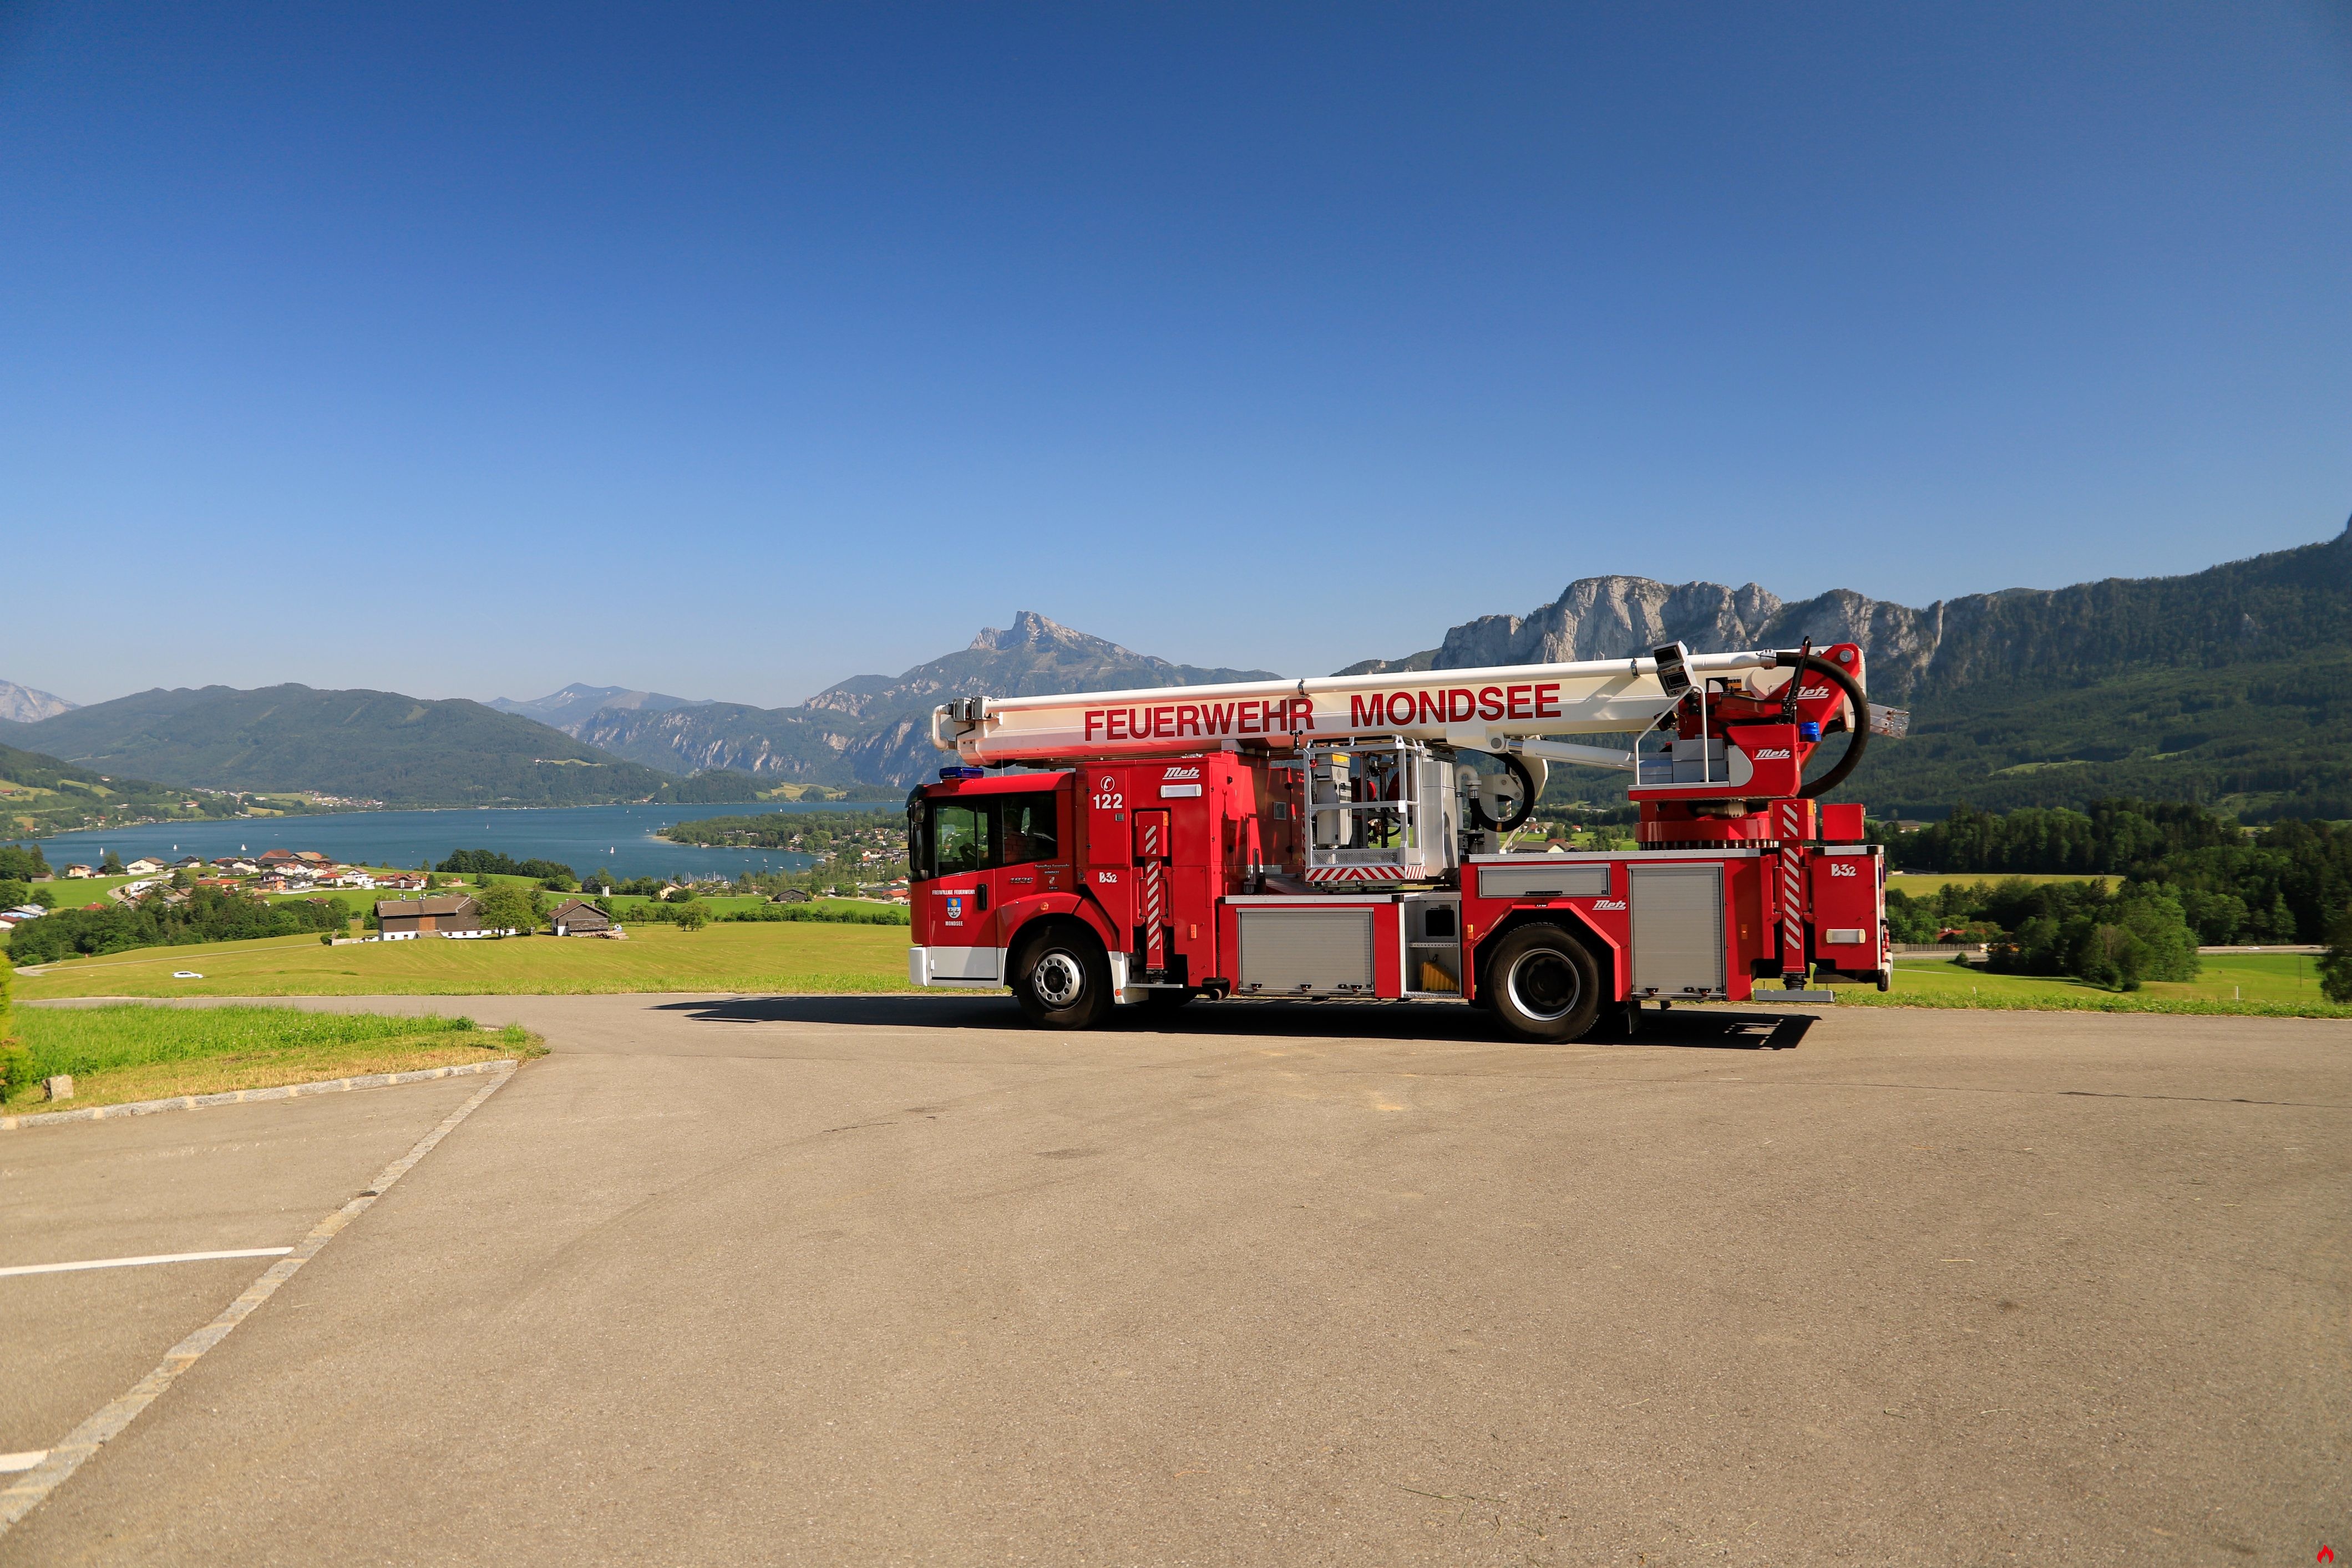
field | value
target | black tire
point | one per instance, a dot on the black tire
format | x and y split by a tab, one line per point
1063	979
1543	984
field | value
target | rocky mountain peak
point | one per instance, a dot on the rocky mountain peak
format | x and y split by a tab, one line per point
1032	631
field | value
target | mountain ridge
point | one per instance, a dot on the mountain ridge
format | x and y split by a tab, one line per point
2303	594
581	698
2218	685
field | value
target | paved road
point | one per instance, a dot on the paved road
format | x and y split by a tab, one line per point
164	1185
897	1281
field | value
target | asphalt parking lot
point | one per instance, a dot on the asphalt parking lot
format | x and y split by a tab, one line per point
901	1280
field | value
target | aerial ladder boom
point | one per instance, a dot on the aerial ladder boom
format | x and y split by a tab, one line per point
1499	710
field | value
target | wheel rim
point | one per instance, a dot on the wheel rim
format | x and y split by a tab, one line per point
1058	980
1544	985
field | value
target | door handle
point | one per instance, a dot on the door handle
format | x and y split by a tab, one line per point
979	896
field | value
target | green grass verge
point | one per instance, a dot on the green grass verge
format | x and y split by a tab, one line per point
2251	985
727	956
133	1051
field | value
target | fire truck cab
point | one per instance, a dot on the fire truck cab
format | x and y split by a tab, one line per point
1334	844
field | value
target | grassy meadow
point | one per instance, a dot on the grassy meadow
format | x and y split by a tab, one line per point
133	1051
768	957
1927	885
89	890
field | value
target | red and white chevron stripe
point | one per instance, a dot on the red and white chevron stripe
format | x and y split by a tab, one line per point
1355	874
1155	918
1792	886
1155	899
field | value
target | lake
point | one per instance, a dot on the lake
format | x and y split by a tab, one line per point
582	837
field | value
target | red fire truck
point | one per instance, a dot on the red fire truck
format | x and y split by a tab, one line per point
1352	837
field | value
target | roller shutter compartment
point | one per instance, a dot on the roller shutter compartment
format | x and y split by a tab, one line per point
1306	952
1678	929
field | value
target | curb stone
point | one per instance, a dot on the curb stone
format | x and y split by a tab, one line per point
240	1096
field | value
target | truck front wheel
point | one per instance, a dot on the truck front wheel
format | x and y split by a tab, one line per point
1063	979
1543	984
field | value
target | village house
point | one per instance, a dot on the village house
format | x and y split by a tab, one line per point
79	872
450	914
145	866
401	879
272	860
578	918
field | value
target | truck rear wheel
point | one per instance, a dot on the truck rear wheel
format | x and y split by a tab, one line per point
1063	979
1543	984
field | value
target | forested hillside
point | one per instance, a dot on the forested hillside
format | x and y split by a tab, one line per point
41	794
359	745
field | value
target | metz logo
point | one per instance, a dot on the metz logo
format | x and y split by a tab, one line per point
1609	904
1771	754
1814	693
1182	773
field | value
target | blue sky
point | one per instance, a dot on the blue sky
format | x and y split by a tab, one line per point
470	351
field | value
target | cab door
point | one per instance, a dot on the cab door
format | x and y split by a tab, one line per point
962	857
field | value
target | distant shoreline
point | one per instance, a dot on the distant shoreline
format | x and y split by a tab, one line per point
623	838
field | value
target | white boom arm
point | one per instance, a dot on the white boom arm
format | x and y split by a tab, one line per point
1482	710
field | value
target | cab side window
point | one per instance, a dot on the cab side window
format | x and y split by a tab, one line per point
1027	824
962	837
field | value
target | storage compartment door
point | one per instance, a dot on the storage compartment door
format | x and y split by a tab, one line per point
1308	952
1678	929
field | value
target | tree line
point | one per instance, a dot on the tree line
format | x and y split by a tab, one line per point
2287	881
2112	936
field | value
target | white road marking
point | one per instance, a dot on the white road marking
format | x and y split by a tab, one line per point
11	1463
136	1263
86	1440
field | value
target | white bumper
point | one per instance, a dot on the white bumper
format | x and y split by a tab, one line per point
956	965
